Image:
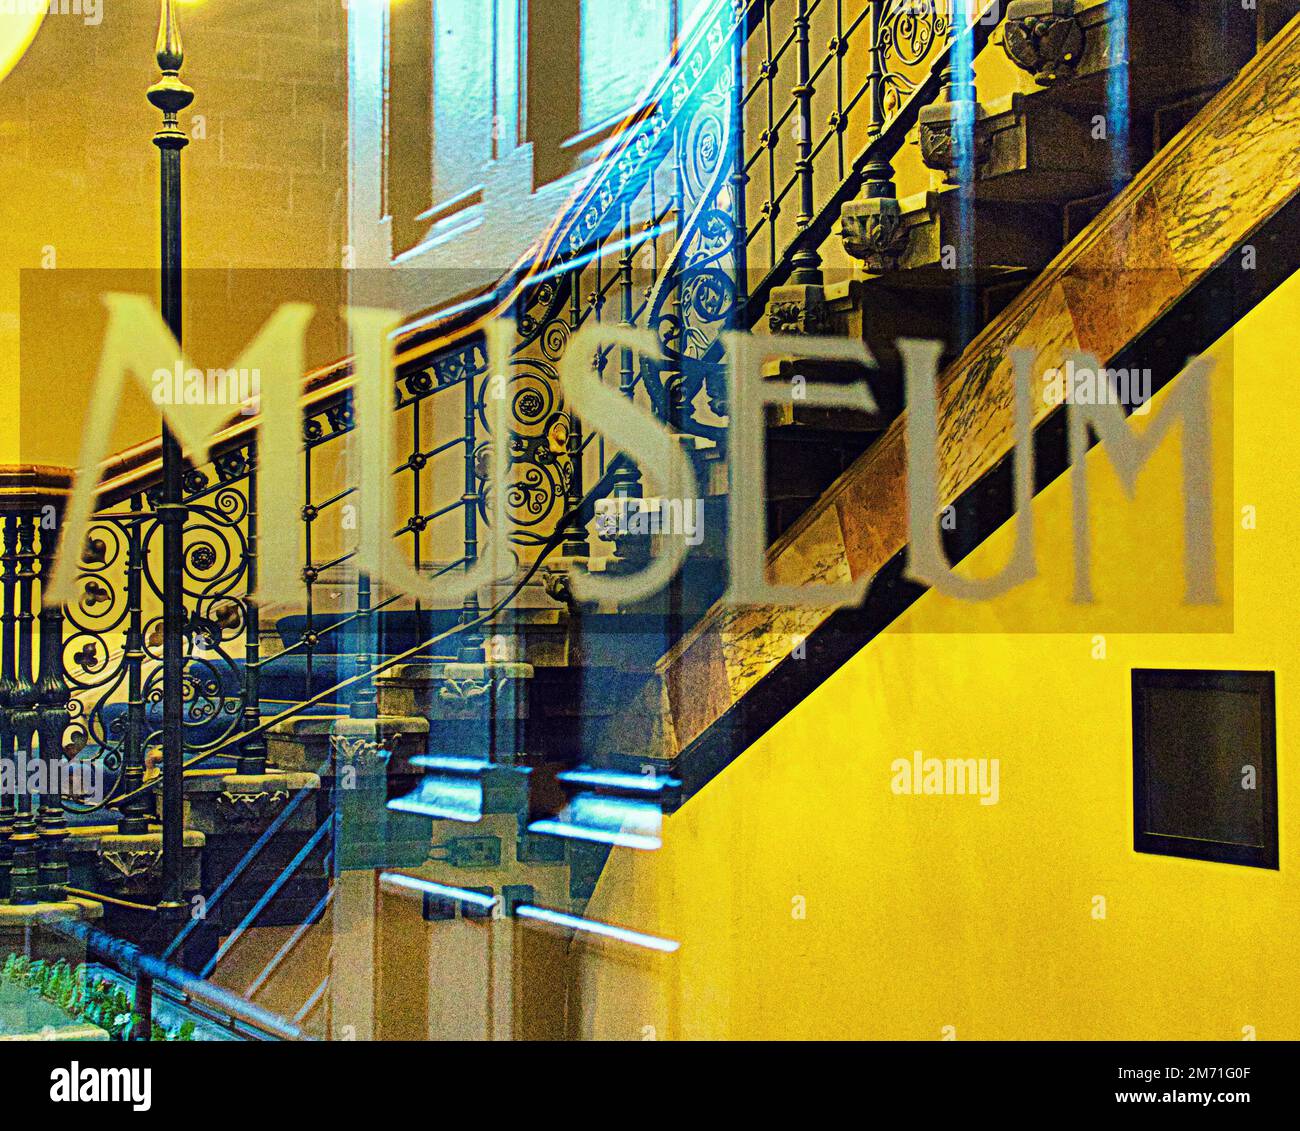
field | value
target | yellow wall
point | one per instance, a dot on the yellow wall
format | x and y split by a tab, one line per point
265	179
926	912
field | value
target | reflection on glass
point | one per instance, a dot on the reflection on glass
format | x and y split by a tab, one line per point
623	43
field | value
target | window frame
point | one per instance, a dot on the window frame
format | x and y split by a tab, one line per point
562	145
1262	685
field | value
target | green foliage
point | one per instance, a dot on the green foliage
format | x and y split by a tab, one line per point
79	994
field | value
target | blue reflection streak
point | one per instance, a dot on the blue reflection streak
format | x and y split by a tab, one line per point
963	59
1117	96
594	927
446	891
551	827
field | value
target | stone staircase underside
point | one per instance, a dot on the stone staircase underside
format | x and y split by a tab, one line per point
1233	168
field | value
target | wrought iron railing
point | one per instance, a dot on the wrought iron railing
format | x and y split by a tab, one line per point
723	184
34	693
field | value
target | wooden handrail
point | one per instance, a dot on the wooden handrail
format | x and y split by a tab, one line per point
34	483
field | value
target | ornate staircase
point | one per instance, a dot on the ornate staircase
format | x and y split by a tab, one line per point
363	770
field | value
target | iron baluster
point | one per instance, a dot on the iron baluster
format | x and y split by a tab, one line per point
872	226
363	702
879	169
252	751
52	700
171	96
598	307
806	261
958	77
838	45
309	572
576	544
627	480
471	642
953	136
964	127
416	464
24	877
678	407
739	178
135	810
8	689
771	206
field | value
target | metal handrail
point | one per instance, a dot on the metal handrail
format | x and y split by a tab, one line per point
146	969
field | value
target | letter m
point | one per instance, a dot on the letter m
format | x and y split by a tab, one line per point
1188	400
138	343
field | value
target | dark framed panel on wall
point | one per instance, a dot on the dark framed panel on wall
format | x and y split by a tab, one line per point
1205	765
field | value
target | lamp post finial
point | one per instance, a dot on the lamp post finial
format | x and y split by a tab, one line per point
169	51
169	94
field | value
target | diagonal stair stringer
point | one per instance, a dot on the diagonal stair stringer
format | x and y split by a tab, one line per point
1234	169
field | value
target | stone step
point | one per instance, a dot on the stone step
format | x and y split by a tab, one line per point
1174	48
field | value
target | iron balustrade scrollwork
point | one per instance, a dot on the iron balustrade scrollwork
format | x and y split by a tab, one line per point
689	204
908	31
112	654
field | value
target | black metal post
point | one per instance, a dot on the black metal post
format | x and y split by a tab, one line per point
878	175
576	544
171	96
959	93
364	702
957	79
24	881
142	1030
626	482
471	642
872	226
8	686
252	753
806	262
676	410
52	698
134	812
739	178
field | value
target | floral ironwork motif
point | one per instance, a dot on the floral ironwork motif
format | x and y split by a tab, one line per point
655	240
909	32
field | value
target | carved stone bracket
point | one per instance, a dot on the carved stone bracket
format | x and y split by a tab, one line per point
365	756
944	126
872	232
471	685
798	309
129	871
130	864
1044	37
250	810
